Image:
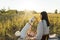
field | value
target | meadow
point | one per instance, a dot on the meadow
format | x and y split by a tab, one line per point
11	21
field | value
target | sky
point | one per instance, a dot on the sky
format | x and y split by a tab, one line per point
37	5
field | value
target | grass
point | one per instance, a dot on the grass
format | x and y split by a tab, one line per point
9	24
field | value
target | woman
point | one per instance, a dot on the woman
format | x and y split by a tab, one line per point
43	27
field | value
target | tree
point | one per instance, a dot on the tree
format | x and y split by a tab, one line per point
3	10
56	11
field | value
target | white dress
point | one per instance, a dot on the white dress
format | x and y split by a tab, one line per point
42	29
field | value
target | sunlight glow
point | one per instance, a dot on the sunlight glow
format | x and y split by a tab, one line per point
37	5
